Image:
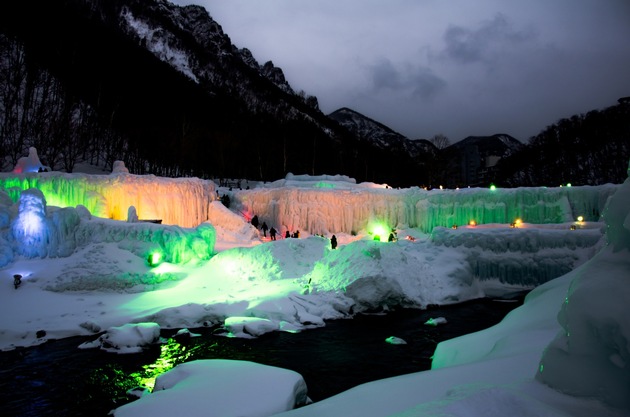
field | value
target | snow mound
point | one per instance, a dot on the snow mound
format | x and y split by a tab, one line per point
30	163
376	275
119	168
221	388
129	338
590	356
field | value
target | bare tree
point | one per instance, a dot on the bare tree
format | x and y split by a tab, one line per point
13	99
440	141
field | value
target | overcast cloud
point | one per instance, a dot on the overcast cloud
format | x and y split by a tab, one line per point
455	67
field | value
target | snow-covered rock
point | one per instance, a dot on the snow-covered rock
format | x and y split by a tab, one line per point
221	388
128	338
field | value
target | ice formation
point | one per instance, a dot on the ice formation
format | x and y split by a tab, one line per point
41	231
174	201
590	357
30	229
30	163
324	206
317	205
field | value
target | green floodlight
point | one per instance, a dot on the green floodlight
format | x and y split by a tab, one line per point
379	230
493	187
154	258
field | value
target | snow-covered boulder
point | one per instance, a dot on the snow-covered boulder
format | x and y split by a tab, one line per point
221	388
247	327
129	338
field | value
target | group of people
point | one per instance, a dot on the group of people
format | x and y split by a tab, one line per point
333	240
273	232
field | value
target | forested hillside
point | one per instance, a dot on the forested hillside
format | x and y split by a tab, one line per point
585	149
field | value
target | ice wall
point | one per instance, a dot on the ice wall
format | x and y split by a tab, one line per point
320	206
337	209
40	231
521	256
175	201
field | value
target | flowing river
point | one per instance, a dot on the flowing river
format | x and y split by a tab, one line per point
58	379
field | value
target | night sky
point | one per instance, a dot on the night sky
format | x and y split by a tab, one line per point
455	67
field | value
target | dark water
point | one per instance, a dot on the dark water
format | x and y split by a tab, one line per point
57	379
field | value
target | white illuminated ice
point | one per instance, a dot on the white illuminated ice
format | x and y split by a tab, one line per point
563	353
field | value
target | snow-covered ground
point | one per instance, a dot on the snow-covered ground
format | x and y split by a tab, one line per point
565	352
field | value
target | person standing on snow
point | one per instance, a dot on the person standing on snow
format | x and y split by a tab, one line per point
333	242
272	233
264	228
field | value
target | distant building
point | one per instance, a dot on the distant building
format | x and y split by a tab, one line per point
475	159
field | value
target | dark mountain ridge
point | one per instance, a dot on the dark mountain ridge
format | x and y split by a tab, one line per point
181	98
379	135
163	88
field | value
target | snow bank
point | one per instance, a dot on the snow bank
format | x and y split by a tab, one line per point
590	356
221	388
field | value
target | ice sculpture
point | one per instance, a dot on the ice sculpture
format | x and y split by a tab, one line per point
29	230
132	215
30	163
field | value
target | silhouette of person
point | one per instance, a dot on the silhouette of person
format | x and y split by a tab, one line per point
391	237
264	228
272	233
333	242
287	235
17	280
255	221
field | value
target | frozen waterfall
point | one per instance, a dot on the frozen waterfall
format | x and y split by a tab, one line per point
175	201
338	208
319	206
